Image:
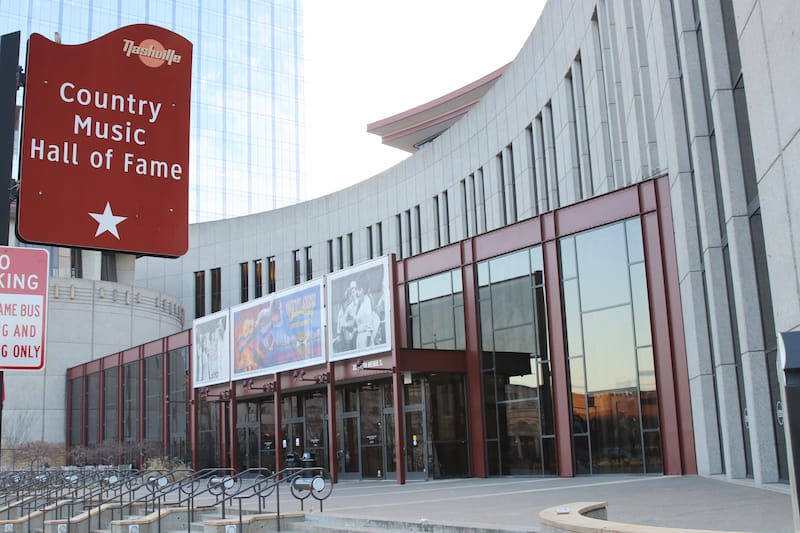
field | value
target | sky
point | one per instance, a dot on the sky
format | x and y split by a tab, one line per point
366	60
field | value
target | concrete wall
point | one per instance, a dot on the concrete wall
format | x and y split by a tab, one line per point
86	320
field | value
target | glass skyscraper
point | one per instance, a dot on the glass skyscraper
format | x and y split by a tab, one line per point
247	126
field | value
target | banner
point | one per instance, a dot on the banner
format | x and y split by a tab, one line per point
359	310
282	331
211	356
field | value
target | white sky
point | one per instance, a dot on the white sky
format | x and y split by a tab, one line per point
366	60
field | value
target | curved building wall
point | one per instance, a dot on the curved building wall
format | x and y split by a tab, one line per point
86	320
601	96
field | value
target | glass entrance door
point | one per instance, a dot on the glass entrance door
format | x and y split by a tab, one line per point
348	450
416	445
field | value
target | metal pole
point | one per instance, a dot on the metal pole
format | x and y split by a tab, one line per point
9	82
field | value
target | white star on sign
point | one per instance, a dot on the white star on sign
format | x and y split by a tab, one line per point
107	221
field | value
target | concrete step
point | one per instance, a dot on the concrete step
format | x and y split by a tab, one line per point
321	522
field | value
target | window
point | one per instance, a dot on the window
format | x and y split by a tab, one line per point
437	222
199	294
92	409
216	289
244	278
516	366
350	249
296	266
446	216
178	408
75	263
258	267
379	225
108	266
436	312
152	399
501	188
370	247
110	403
130	402
330	255
309	264
76	428
340	251
271	283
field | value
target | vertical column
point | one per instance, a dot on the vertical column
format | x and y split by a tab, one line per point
477	436
558	357
332	443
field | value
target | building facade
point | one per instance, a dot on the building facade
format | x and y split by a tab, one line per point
589	271
247	133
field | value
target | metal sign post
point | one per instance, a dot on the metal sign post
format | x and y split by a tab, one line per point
9	83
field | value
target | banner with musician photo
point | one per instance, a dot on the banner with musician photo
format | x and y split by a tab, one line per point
211	359
359	310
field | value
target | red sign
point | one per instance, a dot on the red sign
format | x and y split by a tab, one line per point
23	307
104	161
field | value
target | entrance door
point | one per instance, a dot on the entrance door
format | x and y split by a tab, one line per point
372	464
348	449
416	446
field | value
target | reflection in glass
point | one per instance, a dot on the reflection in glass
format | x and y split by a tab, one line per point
610	349
613	386
517	397
602	268
436	312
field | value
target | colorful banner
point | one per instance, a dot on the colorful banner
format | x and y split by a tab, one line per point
280	332
360	310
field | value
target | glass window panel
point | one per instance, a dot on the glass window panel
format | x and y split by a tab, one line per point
581	450
537	263
490	405
572	318
649	408
652	452
130	392
110	402
569	268
515	340
546	399
647	373
435	286
413	293
526	385
616	436
76	420
603	268
520	434
509	266
436	320
641	308
512	303
576	375
487	340
549	460
633	229
92	408
458	283
483	274
461	338
610	355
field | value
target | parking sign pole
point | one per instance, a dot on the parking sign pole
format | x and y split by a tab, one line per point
9	83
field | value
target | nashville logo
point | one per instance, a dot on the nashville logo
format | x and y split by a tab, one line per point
151	52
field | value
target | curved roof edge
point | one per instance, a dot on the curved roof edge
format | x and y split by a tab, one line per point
411	129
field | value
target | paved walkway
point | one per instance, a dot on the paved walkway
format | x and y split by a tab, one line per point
514	503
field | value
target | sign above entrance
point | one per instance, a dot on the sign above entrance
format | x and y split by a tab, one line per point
104	161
